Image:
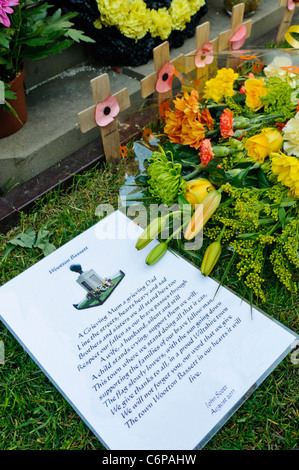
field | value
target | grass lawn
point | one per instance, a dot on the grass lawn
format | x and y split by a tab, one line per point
34	416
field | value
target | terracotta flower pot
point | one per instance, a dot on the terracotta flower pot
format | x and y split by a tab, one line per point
9	124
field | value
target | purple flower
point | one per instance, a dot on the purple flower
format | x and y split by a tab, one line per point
5	7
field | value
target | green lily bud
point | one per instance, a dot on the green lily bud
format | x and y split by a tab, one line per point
156	254
210	258
152	231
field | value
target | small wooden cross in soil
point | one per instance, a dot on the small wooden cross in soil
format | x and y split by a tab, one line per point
101	90
286	19
161	57
236	23
202	38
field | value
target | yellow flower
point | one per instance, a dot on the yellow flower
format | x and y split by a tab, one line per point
259	146
220	86
133	19
254	88
197	189
179	11
135	25
286	169
160	23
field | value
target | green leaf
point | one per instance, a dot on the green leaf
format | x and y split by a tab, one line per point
40	53
48	249
78	35
282	216
182	201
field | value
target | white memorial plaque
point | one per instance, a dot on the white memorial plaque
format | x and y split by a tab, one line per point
145	354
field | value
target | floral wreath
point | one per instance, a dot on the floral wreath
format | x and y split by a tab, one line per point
134	19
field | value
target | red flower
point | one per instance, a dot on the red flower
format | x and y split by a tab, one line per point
226	124
206	153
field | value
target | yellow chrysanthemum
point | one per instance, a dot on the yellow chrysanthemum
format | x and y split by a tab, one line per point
220	86
286	169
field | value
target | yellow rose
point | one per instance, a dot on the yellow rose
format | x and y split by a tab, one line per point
197	189
286	169
254	88
259	146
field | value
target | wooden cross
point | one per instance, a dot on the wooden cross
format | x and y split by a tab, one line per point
161	57
202	37
236	23
286	19
101	90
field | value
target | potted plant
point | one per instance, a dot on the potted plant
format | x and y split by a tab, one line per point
29	29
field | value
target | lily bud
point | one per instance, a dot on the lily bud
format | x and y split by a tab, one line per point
156	254
210	258
203	213
152	231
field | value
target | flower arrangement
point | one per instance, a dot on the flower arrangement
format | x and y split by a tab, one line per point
134	19
230	155
31	29
127	31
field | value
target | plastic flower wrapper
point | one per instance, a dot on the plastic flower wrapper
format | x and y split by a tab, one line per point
236	145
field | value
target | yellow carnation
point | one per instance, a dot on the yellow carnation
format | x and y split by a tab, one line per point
112	12
179	11
287	171
160	23
195	5
135	25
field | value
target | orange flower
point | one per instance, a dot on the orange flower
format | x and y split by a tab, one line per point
206	153
257	67
123	151
147	134
206	119
188	104
164	106
226	124
173	126
193	133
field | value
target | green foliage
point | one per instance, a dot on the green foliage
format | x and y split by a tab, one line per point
31	239
278	99
35	33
